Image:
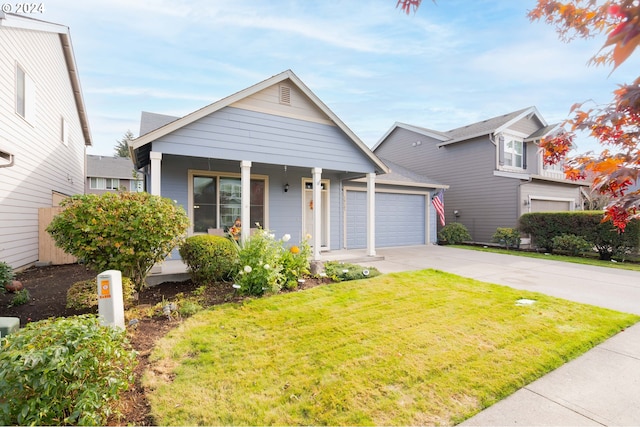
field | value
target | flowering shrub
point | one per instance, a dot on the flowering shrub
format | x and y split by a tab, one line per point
267	266
295	262
340	271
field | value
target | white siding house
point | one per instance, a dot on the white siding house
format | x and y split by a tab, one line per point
43	130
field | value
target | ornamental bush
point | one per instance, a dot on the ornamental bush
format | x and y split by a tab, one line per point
603	236
6	275
209	258
340	271
571	244
123	231
507	237
454	234
84	294
64	371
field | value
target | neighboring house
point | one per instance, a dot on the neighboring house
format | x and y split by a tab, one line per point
107	174
276	155
494	169
43	130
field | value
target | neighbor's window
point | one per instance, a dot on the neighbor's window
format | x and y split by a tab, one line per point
217	202
25	95
104	183
513	153
137	185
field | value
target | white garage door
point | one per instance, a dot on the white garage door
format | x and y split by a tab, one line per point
550	205
400	219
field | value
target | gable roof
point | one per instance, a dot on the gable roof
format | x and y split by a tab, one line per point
399	175
145	139
110	167
417	129
11	20
491	126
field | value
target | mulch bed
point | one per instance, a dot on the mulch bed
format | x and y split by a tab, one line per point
48	288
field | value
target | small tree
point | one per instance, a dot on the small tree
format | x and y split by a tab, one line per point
122	146
125	231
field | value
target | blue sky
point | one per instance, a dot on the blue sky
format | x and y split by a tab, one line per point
450	64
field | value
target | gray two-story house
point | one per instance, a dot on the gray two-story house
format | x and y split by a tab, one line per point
494	169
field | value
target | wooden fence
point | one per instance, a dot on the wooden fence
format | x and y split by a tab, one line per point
47	249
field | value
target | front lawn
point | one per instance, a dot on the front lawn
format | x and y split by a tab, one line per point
422	347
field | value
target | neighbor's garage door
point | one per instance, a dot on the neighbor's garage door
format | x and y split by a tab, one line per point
550	205
400	219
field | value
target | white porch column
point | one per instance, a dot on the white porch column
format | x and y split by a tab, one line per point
316	239
156	172
371	214
245	199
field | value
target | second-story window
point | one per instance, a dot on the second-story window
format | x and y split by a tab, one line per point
513	152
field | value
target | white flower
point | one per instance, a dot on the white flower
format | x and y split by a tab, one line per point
258	224
266	266
235	286
272	236
345	271
247	269
286	237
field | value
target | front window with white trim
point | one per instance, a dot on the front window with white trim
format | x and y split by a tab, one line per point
513	152
104	183
216	201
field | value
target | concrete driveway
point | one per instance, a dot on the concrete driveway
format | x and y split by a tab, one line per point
601	387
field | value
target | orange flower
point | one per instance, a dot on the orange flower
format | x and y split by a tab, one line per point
294	250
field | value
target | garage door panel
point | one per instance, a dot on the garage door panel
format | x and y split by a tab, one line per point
538	205
400	219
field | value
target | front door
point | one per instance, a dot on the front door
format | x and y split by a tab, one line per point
307	211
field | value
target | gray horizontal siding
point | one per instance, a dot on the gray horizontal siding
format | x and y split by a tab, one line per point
484	201
236	134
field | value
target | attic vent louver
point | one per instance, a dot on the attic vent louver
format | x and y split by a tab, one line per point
285	95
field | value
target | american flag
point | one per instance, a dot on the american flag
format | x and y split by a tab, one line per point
438	203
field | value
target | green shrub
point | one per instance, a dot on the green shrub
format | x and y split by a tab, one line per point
209	258
454	234
570	243
123	231
84	294
64	371
340	271
507	237
544	226
20	297
6	275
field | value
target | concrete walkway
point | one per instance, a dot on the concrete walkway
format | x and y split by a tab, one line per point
602	387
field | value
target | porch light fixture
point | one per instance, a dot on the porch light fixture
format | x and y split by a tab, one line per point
286	187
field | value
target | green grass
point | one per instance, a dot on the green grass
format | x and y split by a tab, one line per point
634	266
422	347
